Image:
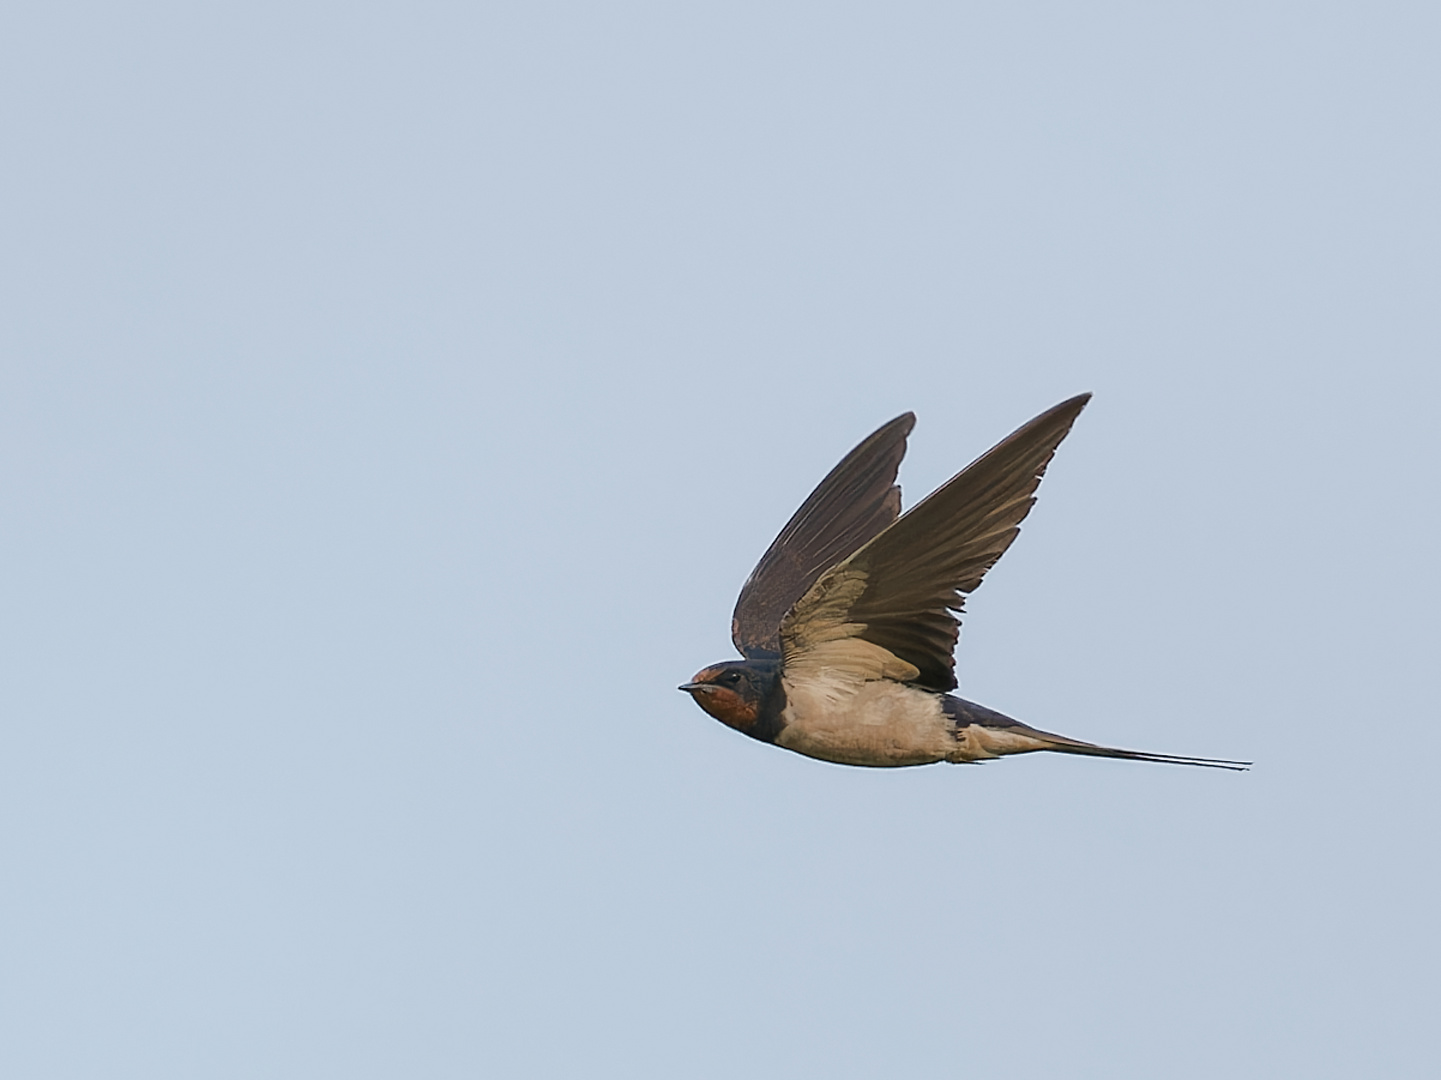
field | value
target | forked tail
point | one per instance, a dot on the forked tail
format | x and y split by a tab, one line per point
1062	745
983	733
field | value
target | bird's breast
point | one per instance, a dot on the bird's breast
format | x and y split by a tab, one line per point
875	722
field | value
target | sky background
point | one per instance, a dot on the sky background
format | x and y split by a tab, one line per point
394	397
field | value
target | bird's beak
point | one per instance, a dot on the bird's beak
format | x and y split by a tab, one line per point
694	687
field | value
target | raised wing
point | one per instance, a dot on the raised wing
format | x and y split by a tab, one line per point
856	500
892	606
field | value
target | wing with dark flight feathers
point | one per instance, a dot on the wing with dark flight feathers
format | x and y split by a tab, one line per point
892	606
857	500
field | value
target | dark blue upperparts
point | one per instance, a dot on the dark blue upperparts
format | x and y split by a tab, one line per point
965	713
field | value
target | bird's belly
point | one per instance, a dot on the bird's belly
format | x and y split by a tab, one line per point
878	723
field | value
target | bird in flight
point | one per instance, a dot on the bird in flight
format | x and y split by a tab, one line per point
849	622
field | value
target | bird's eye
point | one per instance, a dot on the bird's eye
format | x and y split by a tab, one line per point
731	677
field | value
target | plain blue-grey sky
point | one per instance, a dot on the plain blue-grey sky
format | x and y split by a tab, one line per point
395	396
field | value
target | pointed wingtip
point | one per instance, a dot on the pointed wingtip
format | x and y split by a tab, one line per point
906	420
1072	405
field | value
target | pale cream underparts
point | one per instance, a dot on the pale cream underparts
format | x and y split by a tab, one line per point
879	722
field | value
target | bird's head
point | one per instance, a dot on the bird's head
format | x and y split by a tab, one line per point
734	692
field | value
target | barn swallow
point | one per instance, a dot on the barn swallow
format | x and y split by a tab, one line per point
849	622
